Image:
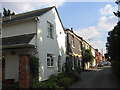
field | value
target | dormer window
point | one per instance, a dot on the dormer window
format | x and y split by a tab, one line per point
50	30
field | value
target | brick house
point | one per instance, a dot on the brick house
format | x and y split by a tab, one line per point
86	46
98	56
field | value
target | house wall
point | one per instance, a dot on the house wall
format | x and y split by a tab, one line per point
55	46
77	45
73	52
12	62
86	46
20	28
93	53
12	67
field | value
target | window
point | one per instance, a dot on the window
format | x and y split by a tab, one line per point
50	60
50	29
72	42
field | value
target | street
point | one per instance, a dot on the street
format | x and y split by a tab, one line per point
97	78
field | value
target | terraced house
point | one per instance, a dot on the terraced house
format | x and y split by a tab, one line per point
39	33
86	46
73	50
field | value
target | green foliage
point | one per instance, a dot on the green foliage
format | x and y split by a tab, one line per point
56	77
113	48
35	82
73	75
113	43
34	66
64	79
7	12
65	82
53	78
88	56
60	80
45	84
78	69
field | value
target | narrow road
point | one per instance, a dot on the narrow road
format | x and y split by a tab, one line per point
99	78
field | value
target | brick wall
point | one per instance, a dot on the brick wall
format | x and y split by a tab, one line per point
24	71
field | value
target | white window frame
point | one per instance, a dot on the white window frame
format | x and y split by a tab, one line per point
51	58
50	29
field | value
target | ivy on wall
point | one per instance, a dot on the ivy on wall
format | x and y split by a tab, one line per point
34	66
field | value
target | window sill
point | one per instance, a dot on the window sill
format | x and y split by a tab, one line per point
50	66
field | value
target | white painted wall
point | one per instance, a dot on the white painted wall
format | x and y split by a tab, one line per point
19	28
46	45
12	67
12	62
93	53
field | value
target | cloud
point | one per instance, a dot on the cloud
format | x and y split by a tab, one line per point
88	33
96	35
100	45
107	23
108	10
28	5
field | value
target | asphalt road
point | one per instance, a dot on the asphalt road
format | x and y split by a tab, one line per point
97	78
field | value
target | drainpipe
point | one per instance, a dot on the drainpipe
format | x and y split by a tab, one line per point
37	19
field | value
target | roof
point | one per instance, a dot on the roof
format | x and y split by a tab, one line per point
21	39
26	15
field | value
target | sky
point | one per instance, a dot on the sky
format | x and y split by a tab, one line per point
90	19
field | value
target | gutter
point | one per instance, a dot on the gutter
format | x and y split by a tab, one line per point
16	46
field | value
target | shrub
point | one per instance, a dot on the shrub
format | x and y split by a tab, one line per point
45	84
35	82
65	82
74	75
78	69
53	78
56	77
48	85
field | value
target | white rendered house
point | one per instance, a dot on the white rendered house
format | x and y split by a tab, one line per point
38	33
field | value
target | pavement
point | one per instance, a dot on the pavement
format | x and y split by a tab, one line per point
97	78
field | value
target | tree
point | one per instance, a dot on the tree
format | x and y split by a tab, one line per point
113	43
7	12
113	48
88	57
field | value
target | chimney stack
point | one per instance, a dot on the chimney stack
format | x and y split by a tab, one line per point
71	29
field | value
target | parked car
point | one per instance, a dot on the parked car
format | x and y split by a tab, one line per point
100	64
106	63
